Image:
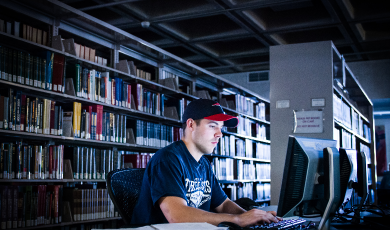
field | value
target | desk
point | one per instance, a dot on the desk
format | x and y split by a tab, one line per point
367	225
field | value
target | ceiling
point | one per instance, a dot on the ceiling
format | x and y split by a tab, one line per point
231	36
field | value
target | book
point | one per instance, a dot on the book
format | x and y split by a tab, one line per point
67	124
123	66
92	53
77	49
86	52
98	109
1	112
58	72
69	46
57	43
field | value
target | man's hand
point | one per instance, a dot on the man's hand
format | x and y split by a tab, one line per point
256	217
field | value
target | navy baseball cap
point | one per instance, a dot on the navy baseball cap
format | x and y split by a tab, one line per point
208	109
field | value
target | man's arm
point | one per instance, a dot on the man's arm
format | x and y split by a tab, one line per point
230	207
175	210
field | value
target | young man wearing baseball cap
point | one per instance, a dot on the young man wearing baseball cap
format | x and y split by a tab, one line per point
179	184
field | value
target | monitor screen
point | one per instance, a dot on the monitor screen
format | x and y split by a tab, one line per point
302	193
348	173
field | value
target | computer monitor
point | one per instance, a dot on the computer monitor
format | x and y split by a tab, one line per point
362	185
362	174
302	193
348	174
319	179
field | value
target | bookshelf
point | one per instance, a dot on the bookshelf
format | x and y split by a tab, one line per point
307	71
152	88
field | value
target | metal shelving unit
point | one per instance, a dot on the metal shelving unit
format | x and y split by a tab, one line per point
114	43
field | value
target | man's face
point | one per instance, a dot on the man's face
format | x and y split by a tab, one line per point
206	135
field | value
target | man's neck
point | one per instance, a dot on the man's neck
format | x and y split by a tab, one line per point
192	149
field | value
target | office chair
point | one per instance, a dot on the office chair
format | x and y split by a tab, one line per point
124	187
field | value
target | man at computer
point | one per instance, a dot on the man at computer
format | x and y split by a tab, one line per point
179	184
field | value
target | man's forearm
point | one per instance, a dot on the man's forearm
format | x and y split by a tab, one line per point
178	212
175	210
187	214
230	207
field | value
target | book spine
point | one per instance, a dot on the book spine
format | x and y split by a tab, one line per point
40	116
102	95
9	207
1	62
20	67
55	162
112	127
86	163
60	120
50	163
30	163
76	156
18	110
21	207
15	66
6	113
42	156
55	118
23	111
103	124
75	119
81	162
46	152
9	161
91	163
9	65
19	161
4	199
108	128
26	71
97	86
10	109
51	129
25	162
98	163
83	124
103	155
56	197
124	136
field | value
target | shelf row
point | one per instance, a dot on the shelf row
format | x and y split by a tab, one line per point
83	142
52	226
260	192
80	91
244	181
240	158
347	101
341	125
228	169
347	117
40	205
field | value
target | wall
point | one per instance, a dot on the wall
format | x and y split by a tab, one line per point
374	77
385	121
261	88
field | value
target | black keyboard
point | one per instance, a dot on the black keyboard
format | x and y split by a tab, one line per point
284	224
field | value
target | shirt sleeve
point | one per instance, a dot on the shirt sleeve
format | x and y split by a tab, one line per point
166	179
218	195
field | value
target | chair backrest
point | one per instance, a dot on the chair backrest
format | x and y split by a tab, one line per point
124	187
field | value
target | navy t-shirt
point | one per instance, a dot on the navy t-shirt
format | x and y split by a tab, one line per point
173	171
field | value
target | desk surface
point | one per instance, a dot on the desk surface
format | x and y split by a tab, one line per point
371	221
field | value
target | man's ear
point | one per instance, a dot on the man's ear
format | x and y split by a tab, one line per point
190	124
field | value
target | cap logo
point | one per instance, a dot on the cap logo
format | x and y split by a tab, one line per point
216	104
